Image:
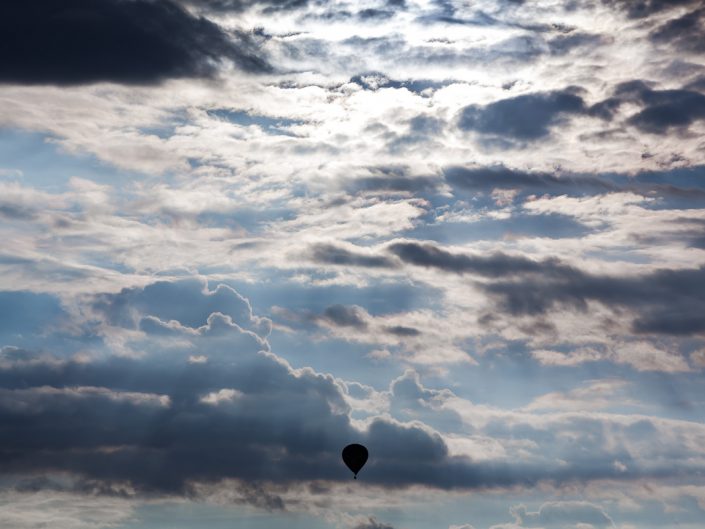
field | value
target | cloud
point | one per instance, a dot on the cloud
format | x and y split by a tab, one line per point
402	330
224	6
647	8
163	424
189	302
686	33
418	336
205	433
178	387
132	42
345	316
641	355
662	110
663	301
500	176
562	514
393	179
496	265
33	509
225	408
524	118
565	44
372	523
597	394
160	421
337	255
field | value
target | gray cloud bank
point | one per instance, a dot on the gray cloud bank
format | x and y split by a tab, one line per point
208	401
663	301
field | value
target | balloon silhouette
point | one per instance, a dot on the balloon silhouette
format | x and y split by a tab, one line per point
355	457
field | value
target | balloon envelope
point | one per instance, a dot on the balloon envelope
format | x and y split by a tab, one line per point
355	457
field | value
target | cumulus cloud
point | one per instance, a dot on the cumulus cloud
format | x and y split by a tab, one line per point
226	409
246	414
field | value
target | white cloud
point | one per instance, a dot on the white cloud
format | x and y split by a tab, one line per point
60	510
222	396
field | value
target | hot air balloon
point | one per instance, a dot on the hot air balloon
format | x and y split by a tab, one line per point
355	457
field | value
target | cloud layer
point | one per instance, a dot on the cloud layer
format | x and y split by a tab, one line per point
241	234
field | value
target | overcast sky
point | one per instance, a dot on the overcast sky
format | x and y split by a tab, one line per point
238	235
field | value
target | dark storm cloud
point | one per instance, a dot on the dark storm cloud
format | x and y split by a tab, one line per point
170	421
525	117
662	110
335	255
679	321
495	265
248	417
166	446
687	33
162	421
664	301
242	5
696	84
668	109
681	191
123	41
645	8
488	178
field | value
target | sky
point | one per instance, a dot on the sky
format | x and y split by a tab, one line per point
238	235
